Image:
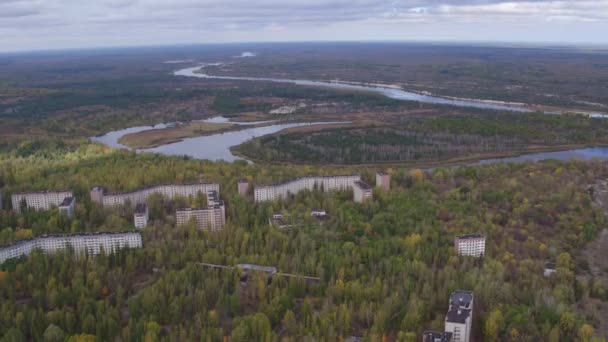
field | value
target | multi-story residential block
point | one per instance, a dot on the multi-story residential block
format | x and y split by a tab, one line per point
141	216
67	206
243	187
282	190
470	245
141	196
459	318
362	192
383	180
91	243
435	336
39	200
213	217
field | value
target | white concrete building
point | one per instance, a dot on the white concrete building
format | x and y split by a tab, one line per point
141	216
459	318
92	243
383	180
40	201
362	192
141	196
212	218
470	245
283	190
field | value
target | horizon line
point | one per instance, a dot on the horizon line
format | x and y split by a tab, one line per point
472	43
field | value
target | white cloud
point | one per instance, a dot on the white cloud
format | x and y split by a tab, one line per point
27	24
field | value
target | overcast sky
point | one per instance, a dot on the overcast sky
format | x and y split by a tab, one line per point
53	24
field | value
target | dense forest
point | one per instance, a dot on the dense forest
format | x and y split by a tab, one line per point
438	138
387	267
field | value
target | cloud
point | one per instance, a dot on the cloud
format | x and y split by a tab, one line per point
109	22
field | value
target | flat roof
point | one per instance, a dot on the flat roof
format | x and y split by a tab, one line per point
363	185
268	269
436	336
141	208
150	187
14	243
461	298
457	315
41	192
304	177
470	236
67	201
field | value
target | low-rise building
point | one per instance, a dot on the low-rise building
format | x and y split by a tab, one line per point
470	245
324	183
383	180
90	243
361	192
550	269
278	220
170	191
40	201
243	187
436	336
67	206
459	318
141	216
212	218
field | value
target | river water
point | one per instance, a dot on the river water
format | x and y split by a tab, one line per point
392	93
211	147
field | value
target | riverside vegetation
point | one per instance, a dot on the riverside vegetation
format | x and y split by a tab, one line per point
387	266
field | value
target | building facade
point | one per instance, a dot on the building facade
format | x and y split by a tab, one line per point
141	216
283	190
459	319
141	196
40	201
91	243
212	218
362	192
243	187
470	245
383	180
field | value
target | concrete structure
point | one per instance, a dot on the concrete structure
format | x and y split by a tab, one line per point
459	318
278	220
362	192
213	217
243	187
40	201
67	206
383	180
171	191
141	216
470	245
283	190
435	336
92	243
550	269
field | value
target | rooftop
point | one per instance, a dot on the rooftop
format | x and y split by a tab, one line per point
42	192
435	336
141	208
461	299
382	174
363	185
267	269
149	187
67	201
470	236
14	243
305	177
243	180
457	315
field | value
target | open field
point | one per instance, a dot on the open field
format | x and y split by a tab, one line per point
156	137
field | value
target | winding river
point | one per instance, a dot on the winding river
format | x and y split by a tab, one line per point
393	93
